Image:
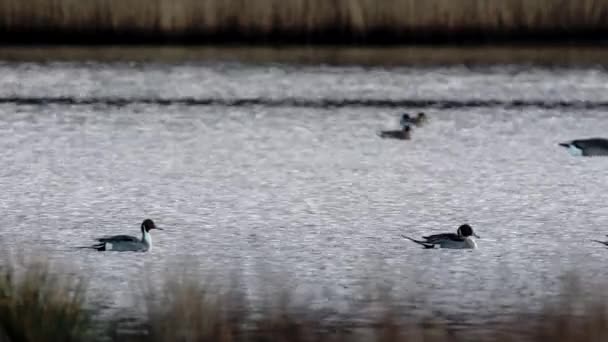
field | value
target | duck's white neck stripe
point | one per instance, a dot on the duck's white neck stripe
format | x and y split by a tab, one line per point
146	237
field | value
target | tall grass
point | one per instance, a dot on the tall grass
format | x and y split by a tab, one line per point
36	305
303	20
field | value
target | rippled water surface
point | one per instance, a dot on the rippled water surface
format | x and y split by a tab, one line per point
305	195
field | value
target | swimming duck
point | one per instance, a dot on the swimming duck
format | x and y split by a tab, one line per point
463	239
127	243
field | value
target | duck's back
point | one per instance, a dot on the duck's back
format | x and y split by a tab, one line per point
437	238
593	146
118	238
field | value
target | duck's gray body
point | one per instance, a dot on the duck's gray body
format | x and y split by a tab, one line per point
587	147
463	239
124	243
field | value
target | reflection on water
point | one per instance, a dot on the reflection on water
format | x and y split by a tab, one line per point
308	197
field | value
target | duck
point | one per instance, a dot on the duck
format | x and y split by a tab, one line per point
587	147
463	239
403	134
418	121
127	243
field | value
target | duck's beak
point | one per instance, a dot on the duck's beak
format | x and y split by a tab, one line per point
158	228
564	145
477	236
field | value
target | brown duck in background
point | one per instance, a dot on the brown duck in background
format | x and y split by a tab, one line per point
418	121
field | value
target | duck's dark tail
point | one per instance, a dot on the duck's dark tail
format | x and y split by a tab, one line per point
602	242
425	244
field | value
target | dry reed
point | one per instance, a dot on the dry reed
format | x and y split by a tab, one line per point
288	21
187	310
37	304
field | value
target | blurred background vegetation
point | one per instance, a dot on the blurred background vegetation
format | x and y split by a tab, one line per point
302	21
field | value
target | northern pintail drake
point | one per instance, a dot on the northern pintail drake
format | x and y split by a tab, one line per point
127	243
463	239
402	134
419	120
587	147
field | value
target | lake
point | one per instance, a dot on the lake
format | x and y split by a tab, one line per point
274	173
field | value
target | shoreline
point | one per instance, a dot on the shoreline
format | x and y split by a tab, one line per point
386	56
324	36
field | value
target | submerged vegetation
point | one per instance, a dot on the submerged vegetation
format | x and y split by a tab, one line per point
38	305
301	21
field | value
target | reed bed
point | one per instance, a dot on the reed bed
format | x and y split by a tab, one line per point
297	21
36	304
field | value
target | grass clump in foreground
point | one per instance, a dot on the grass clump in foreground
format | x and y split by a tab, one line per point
36	305
303	21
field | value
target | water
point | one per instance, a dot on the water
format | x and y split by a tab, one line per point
287	191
